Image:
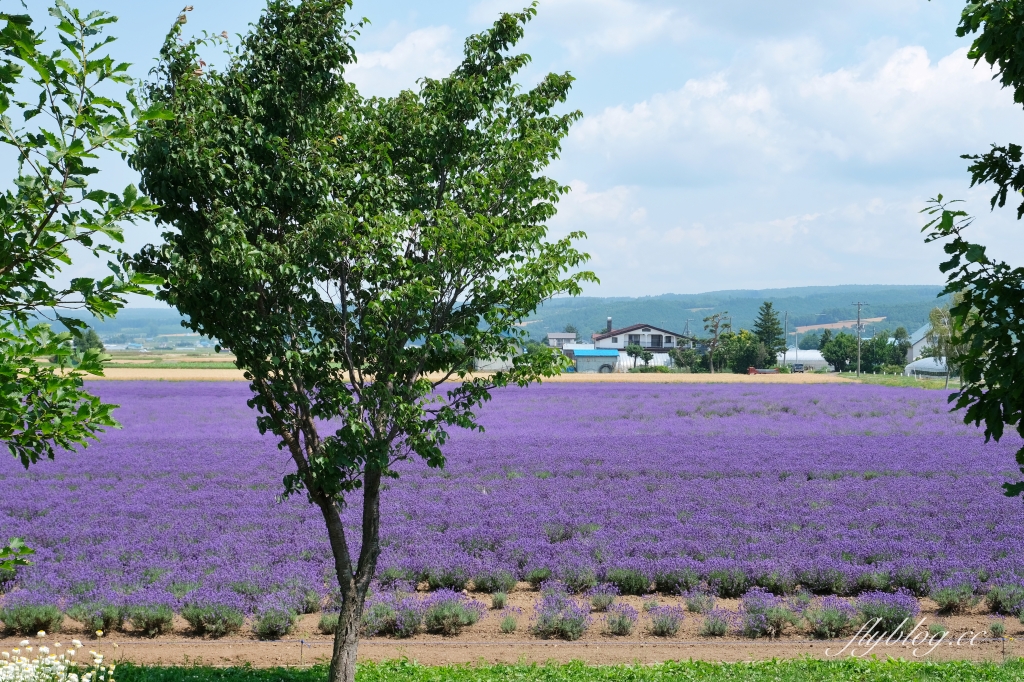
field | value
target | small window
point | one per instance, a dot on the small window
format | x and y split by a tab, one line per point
668	339
646	329
615	339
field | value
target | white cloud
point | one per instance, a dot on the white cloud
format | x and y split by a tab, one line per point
585	27
431	52
787	115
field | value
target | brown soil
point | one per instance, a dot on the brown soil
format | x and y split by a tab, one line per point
484	642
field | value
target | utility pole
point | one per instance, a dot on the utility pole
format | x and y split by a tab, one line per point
785	337
859	333
687	331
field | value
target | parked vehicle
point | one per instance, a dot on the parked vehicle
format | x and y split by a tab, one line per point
798	367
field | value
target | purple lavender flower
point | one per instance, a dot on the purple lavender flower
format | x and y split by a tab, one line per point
891	614
830	617
666	620
620	619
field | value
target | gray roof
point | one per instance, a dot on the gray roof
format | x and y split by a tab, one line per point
919	335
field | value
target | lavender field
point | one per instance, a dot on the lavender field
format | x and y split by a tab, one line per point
840	488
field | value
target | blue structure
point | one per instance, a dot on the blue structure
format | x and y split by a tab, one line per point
601	360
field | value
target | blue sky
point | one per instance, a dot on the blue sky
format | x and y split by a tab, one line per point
734	144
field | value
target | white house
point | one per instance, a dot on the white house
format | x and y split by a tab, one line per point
646	336
559	339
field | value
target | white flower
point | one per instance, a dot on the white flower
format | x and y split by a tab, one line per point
78	644
23	642
41	633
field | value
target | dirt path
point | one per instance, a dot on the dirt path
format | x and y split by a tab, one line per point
484	642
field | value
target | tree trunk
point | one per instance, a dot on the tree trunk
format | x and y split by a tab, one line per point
346	641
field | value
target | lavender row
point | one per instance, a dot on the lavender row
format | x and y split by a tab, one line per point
838	488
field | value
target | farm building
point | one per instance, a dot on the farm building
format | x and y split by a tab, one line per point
601	360
926	367
646	336
559	339
918	342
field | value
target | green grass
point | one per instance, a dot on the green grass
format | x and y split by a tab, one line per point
775	671
900	380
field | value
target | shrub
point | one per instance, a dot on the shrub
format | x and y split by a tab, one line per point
699	601
877	581
499	600
304	600
716	623
825	581
650	604
559	616
508	619
620	619
955	598
628	581
98	616
666	620
602	596
273	623
578	579
537	576
28	619
998	629
830	617
914	579
215	620
151	620
892	613
729	583
764	615
446	612
452	578
392	576
675	581
328	624
937	629
1005	599
494	581
389	615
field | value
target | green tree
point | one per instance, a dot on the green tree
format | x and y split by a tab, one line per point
715	325
826	336
319	235
988	321
47	212
840	351
768	330
744	350
88	341
942	337
810	341
571	329
635	351
689	358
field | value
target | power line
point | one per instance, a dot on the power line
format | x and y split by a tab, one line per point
860	332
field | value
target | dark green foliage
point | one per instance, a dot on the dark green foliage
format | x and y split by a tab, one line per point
768	330
48	212
797	670
347	229
452	578
12	556
494	581
499	600
151	621
273	623
841	352
987	318
215	621
729	583
28	620
538	575
87	341
98	616
793	670
628	580
676	581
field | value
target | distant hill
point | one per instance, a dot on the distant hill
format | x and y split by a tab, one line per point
905	306
902	306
